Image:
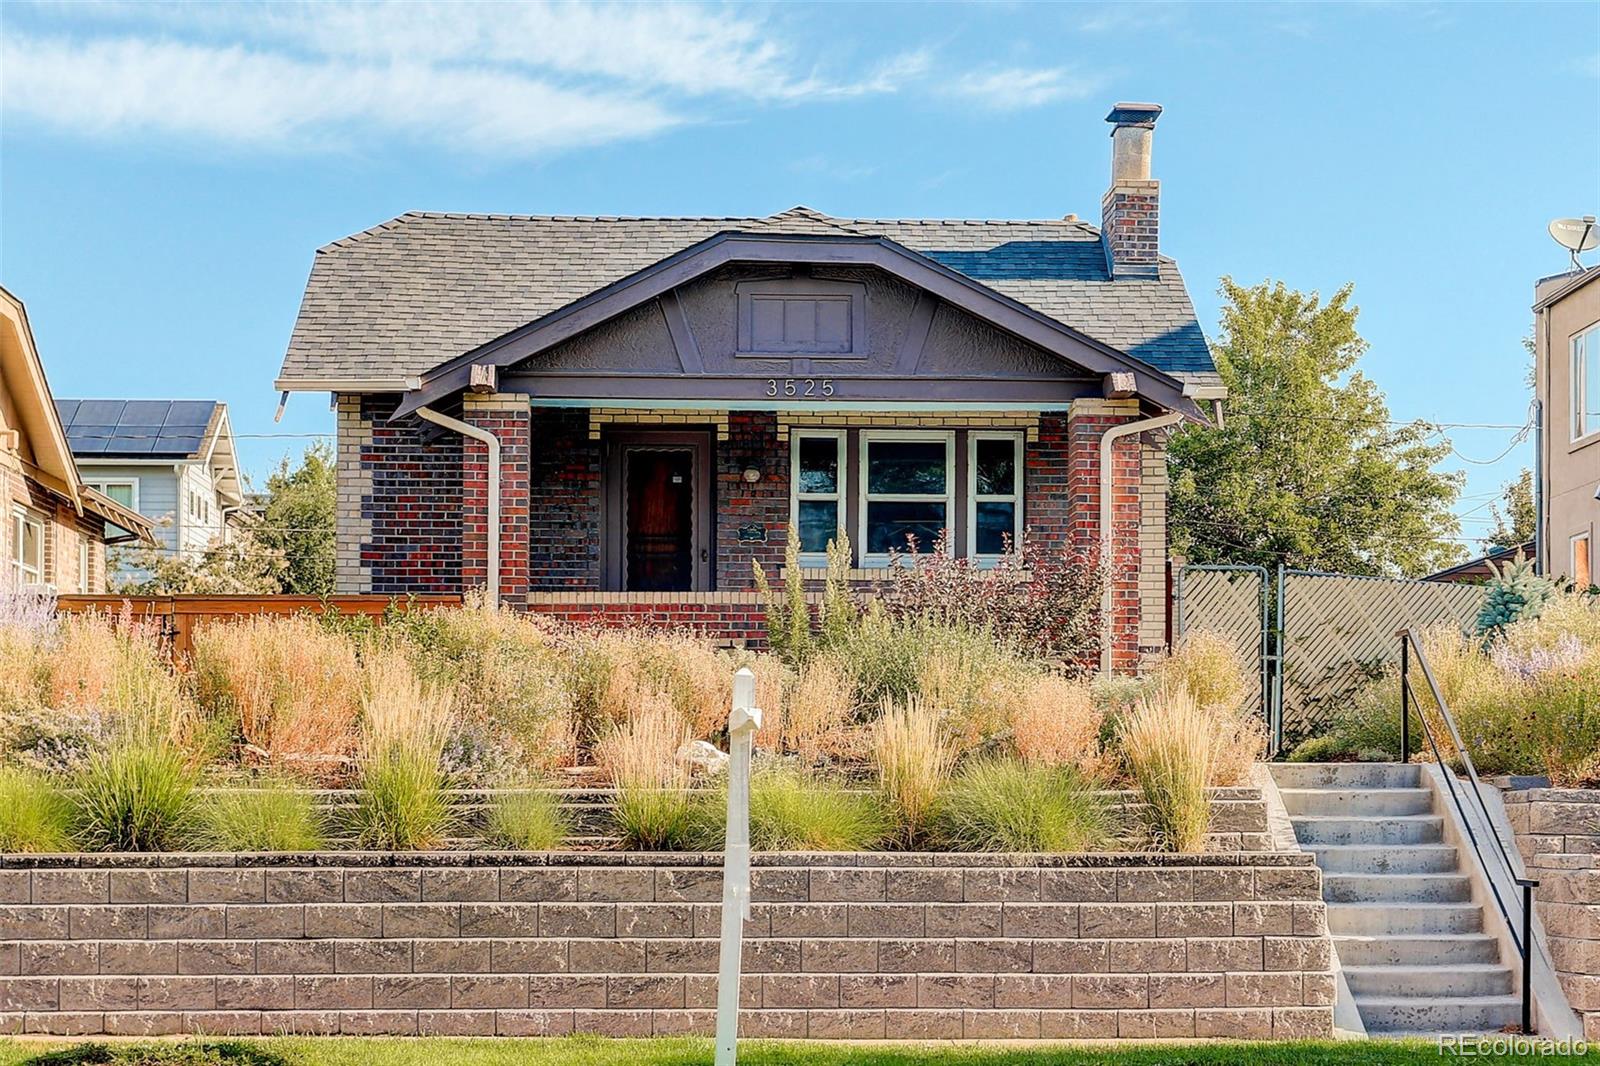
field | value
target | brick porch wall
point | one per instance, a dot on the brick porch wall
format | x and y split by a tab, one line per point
849	946
412	516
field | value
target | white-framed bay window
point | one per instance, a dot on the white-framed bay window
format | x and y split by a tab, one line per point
27	548
817	489
906	490
994	493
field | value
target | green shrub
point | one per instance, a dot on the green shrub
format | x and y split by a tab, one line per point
137	796
403	805
34	815
1515	593
1001	804
271	816
527	821
795	811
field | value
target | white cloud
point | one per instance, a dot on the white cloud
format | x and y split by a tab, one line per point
1015	88
492	79
233	94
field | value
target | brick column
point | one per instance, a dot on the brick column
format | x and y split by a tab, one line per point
506	415
1086	424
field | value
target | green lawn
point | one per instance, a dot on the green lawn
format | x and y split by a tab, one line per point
594	1051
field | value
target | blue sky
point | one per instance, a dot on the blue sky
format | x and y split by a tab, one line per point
166	172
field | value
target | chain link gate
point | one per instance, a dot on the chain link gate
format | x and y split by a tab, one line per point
1315	638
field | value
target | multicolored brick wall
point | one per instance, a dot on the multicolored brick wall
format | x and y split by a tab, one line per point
849	946
402	495
736	617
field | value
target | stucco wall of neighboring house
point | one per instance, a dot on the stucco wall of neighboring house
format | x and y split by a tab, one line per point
1572	467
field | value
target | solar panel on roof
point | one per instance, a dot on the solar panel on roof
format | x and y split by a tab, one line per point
182	441
65	409
190	412
101	412
144	413
89	439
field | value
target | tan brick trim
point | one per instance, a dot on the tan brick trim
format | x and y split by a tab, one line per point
600	417
1026	421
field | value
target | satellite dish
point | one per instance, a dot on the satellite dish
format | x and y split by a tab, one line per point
1576	235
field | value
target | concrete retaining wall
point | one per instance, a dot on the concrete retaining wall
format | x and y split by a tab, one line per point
861	946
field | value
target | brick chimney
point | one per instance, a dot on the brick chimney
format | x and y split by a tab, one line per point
1130	210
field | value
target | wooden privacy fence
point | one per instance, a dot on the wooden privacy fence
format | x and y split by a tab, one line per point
1315	638
179	616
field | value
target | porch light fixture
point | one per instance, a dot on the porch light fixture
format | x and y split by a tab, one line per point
752	475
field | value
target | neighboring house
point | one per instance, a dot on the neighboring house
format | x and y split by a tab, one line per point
172	461
660	398
1484	567
56	527
1567	378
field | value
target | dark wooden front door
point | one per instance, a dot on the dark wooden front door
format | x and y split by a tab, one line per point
660	517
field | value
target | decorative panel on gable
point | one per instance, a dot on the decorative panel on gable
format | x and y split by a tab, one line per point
802	316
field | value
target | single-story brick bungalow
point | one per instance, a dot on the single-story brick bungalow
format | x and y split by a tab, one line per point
615	417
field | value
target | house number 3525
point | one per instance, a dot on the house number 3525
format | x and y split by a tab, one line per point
800	387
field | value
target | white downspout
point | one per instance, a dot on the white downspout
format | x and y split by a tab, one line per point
493	444
1107	441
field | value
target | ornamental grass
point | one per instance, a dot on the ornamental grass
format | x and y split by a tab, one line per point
997	803
912	757
526	821
405	724
271	815
34	814
655	808
1171	746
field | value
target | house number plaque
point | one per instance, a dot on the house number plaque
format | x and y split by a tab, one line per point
803	388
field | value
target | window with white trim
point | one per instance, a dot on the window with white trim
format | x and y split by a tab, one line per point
817	489
907	484
123	490
994	494
1586	382
27	548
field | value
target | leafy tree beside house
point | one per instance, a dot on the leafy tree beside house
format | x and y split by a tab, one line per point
288	549
1307	469
1514	525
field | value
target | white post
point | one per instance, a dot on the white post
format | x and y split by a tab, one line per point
742	726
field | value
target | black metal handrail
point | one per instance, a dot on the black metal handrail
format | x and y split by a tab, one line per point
1521	933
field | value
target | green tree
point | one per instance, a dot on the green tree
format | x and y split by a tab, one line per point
297	521
1513	526
243	566
1307	469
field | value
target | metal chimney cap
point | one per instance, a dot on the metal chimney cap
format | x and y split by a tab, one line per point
1134	114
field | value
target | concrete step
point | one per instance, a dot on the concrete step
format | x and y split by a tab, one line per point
1408	888
1416	949
1408	829
1346	775
1430	982
1446	1014
1358	802
1367	859
1376	919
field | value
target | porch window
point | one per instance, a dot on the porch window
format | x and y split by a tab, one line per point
994	503
27	549
906	489
817	489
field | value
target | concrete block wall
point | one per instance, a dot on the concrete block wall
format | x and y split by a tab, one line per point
858	946
1568	904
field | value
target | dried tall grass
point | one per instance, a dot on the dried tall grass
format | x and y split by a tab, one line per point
117	667
1172	746
817	712
655	808
405	724
1057	722
291	687
913	757
1208	665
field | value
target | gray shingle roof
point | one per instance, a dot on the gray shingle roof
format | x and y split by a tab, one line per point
401	298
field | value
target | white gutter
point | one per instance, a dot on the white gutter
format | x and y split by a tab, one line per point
492	442
1107	441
